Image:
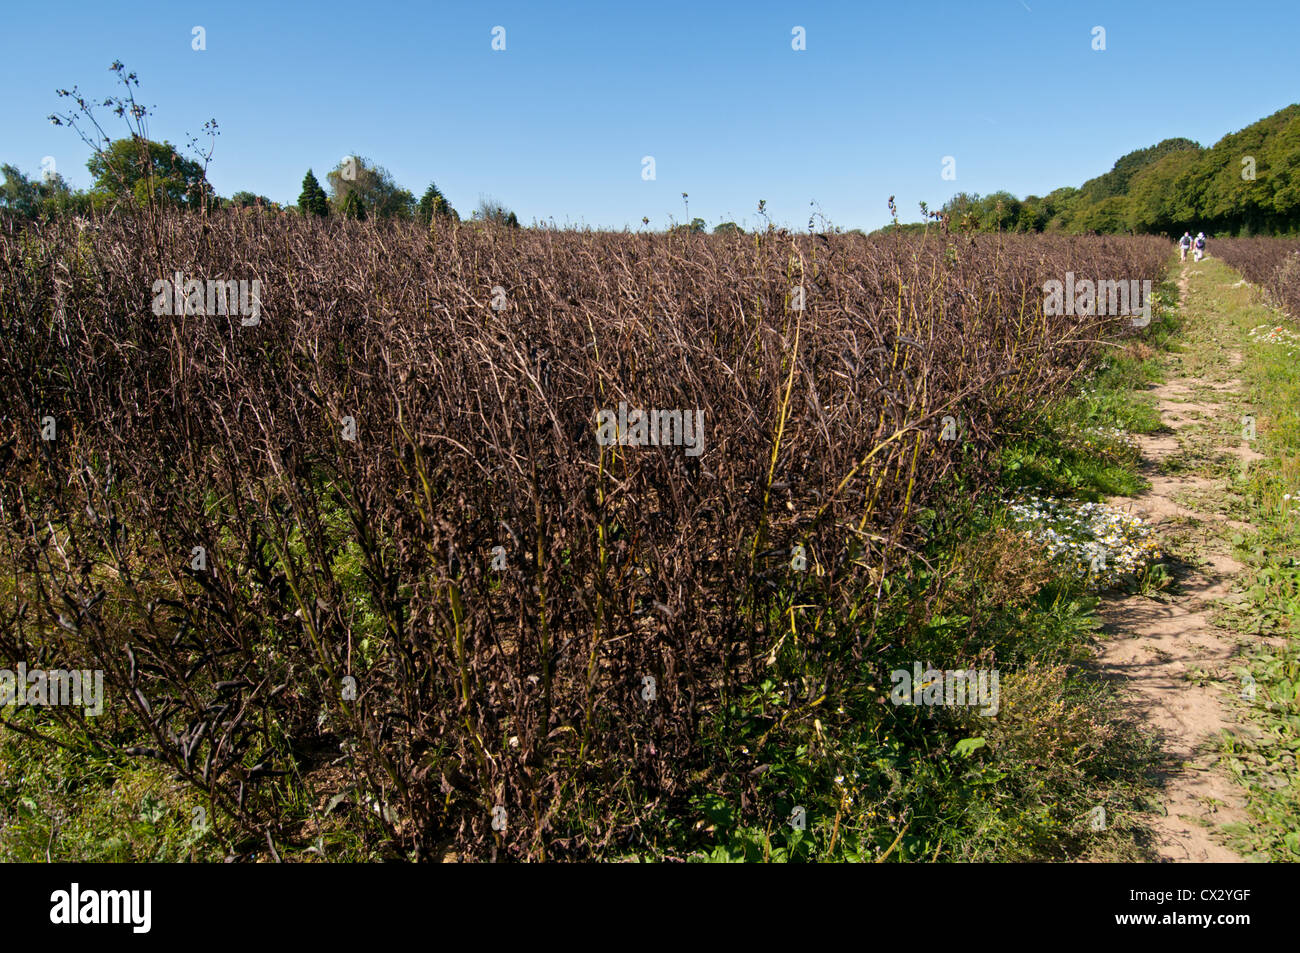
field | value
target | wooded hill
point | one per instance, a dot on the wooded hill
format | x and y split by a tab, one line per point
1247	183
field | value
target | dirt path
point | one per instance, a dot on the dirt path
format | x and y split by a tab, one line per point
1172	658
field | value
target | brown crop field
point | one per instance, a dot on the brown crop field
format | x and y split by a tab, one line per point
1272	264
364	554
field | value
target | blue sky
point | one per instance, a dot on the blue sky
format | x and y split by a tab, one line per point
556	125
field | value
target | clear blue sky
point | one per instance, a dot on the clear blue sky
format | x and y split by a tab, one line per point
556	125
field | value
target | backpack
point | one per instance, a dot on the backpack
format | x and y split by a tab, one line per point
1200	243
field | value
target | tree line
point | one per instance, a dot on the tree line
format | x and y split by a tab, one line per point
145	171
1247	183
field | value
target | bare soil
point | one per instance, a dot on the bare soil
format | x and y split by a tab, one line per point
1171	658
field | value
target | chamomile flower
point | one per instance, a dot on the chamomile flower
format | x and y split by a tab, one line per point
1100	544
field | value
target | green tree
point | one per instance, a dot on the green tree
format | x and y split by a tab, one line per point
726	227
1229	199
373	186
434	204
965	210
1158	199
490	210
1108	216
250	200
1058	208
1033	215
147	170
48	195
999	211
1116	181
353	207
313	200
19	194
